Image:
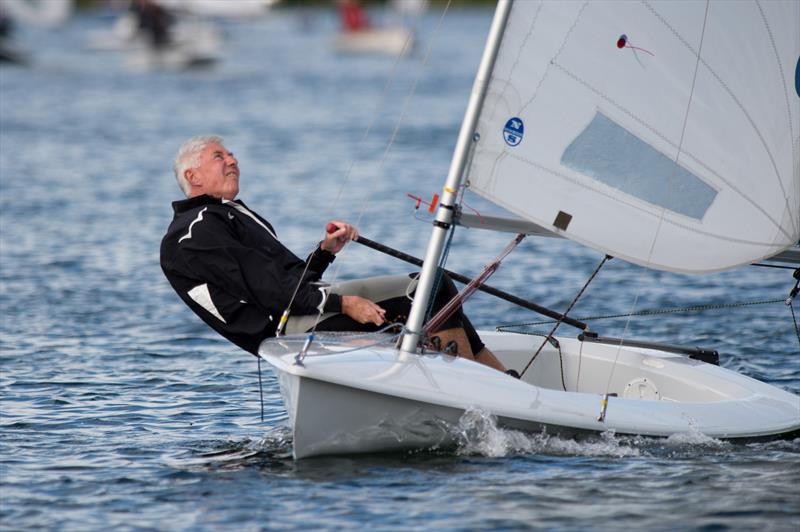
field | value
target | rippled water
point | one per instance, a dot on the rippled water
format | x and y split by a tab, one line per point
120	408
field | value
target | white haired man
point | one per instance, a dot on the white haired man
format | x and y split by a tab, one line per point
227	264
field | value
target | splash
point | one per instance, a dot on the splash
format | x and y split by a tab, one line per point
477	433
694	438
204	455
277	441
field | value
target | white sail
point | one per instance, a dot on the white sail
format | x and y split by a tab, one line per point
663	133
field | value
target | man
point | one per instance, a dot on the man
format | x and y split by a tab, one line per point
227	264
154	22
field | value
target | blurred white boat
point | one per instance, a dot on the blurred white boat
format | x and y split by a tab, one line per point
236	9
122	35
187	32
397	41
173	57
40	12
192	42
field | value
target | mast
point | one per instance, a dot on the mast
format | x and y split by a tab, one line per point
444	214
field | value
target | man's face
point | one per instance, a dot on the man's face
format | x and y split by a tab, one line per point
217	173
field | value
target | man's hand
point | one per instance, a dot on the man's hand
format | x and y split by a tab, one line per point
337	234
363	310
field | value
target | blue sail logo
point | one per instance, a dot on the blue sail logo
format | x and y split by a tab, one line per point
513	131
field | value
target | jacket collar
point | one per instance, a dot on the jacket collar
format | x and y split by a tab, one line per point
192	203
198	201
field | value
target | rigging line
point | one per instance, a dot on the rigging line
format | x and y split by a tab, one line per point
505	296
794	319
381	104
382	341
560	359
389	145
549	336
656	312
440	270
260	390
455	303
380	332
774	266
365	135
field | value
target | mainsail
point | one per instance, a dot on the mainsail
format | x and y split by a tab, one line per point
663	133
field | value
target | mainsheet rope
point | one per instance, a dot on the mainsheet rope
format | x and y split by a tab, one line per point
655	312
516	327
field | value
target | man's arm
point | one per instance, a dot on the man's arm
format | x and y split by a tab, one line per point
363	310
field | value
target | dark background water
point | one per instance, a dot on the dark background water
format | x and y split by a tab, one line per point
120	408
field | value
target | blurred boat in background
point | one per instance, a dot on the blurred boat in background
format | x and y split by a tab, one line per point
156	35
9	52
40	12
359	35
221	8
47	13
388	41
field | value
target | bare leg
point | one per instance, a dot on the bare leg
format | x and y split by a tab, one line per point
487	358
457	335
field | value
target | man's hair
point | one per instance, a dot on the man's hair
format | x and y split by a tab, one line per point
189	157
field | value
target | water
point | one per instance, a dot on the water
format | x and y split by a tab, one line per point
121	409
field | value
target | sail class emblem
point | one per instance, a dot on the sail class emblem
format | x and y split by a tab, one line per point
513	131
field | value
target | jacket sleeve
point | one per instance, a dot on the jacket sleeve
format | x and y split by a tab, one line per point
318	261
215	254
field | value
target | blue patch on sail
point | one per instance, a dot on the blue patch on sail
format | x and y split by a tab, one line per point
797	77
609	153
513	131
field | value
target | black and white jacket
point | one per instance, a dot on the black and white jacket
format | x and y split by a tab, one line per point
227	264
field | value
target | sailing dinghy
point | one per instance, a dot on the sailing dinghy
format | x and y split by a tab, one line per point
633	128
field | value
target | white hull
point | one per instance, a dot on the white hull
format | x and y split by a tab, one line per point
347	398
194	44
388	41
173	58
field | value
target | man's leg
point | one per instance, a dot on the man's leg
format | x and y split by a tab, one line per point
464	349
464	333
487	358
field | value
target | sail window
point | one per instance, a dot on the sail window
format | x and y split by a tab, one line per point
609	153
